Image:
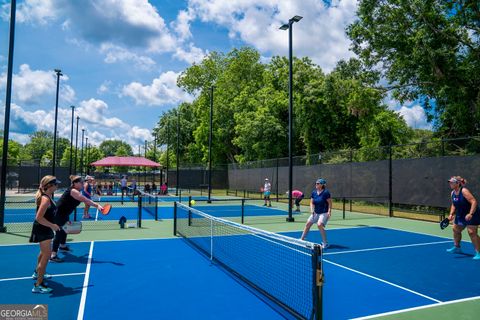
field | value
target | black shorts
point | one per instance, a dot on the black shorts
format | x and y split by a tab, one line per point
40	233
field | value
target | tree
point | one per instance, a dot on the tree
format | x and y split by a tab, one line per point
428	50
110	147
40	143
14	152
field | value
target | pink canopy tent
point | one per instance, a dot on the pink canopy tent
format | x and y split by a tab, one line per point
125	162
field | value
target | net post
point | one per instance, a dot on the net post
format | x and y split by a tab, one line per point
122	197
344	202
156	208
139	217
319	280
243	211
189	201
175	218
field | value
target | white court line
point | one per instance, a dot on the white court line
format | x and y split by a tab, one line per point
381	280
428	306
83	299
53	276
386	248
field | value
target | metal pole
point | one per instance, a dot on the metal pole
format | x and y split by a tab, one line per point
290	123
86	155
59	74
81	154
71	140
6	128
178	150
210	147
168	151
76	145
145	168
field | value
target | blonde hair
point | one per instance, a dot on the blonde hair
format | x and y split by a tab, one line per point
461	181
45	183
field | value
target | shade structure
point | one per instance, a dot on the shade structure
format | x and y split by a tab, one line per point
125	162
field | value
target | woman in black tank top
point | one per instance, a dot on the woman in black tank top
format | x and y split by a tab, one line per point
67	203
43	228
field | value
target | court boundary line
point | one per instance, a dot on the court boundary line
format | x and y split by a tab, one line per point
382	280
83	299
53	276
386	248
428	306
416	232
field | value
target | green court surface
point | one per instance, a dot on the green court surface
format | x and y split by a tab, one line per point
462	309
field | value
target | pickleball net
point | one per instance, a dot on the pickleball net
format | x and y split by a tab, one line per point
286	270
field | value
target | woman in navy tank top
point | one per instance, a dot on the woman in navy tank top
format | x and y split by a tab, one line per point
467	215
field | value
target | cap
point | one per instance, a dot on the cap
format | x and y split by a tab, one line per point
453	179
75	179
266	179
321	181
54	181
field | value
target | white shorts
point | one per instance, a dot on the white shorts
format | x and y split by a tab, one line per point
319	218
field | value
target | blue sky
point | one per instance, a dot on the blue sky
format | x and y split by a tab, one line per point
121	58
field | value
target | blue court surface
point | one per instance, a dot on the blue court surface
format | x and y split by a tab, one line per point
368	271
131	213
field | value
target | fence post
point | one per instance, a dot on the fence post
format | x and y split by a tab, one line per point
243	211
139	218
390	196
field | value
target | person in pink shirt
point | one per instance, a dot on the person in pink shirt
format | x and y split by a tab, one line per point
297	196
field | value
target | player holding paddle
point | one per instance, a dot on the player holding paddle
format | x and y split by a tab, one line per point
42	230
467	215
69	200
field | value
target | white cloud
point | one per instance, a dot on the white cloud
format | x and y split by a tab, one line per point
182	24
93	118
320	35
115	54
31	11
104	87
30	86
163	90
191	55
415	117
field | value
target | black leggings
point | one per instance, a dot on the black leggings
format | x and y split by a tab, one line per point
59	239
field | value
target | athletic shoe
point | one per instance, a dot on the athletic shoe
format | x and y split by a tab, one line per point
56	259
42	288
477	256
66	248
45	276
265	205
325	245
454	250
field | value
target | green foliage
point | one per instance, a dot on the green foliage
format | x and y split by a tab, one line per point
111	147
427	50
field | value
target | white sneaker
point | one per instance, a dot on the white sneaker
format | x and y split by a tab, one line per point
325	245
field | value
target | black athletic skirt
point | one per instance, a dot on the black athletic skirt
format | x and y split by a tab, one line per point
40	233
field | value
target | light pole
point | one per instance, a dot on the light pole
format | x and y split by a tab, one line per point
168	150
76	146
71	139
210	146
289	27
81	154
59	74
86	155
6	126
